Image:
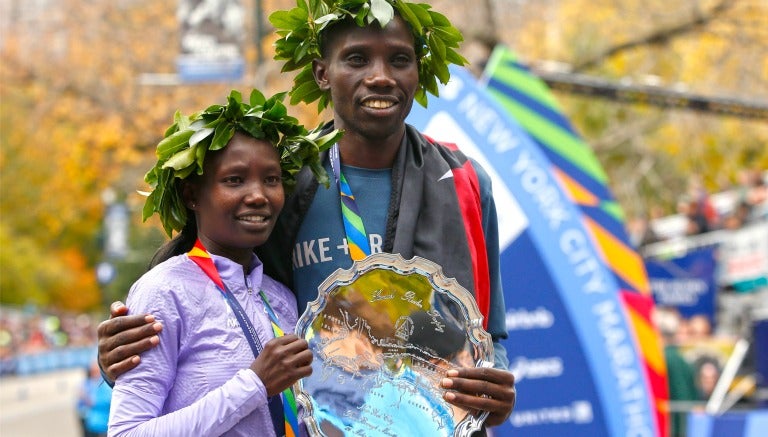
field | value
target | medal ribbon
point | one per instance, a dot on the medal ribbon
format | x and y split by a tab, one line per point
357	238
290	412
284	414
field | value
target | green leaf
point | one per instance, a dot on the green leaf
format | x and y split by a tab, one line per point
151	177
178	216
224	133
450	35
284	48
329	139
199	159
180	122
437	48
302	51
307	91
290	65
234	108
289	19
183	173
276	112
439	19
173	144
364	17
327	18
252	125
149	206
305	75
421	97
181	159
200	135
323	102
431	81
454	58
257	98
320	173
422	12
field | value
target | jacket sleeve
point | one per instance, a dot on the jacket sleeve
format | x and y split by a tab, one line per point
213	414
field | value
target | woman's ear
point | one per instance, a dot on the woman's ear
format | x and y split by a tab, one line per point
319	71
189	194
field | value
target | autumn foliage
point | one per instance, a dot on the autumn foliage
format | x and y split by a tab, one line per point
78	115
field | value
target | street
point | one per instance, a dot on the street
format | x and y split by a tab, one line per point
40	405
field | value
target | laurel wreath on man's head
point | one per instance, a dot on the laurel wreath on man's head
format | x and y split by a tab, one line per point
185	144
299	30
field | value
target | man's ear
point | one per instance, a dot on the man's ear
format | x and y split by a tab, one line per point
189	194
320	71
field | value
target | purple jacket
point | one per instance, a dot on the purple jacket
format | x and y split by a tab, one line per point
198	381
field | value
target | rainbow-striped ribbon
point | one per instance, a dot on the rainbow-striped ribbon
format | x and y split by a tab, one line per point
290	412
357	238
200	256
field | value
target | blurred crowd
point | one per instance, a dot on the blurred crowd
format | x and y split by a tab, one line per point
699	212
695	357
29	332
705	370
693	338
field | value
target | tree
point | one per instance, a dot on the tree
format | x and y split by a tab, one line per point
77	115
714	48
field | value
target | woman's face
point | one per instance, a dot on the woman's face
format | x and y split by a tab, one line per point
238	198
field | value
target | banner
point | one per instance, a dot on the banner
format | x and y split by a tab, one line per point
530	103
744	258
760	356
212	34
571	348
528	100
685	282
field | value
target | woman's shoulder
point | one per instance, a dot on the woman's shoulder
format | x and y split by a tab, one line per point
174	277
173	269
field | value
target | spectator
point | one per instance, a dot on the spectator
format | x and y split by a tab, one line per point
757	198
707	374
93	403
682	331
640	232
700	327
703	204
680	378
738	217
697	222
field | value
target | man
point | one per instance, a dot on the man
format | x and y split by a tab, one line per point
370	63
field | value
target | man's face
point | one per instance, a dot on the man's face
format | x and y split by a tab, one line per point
372	75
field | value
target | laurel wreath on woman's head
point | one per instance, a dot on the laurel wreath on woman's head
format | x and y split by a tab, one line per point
185	143
299	30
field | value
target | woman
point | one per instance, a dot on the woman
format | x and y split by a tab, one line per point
219	181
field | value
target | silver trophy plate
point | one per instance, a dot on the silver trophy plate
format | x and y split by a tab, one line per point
383	335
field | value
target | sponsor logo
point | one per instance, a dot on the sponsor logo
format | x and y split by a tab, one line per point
578	412
524	368
522	319
678	292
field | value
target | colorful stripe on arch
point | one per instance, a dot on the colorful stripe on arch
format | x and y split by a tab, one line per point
529	101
